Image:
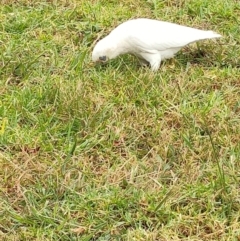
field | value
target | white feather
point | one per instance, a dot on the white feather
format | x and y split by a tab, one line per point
150	40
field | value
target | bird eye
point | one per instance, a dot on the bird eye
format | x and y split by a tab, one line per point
103	58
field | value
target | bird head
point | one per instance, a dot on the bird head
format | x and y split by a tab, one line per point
104	50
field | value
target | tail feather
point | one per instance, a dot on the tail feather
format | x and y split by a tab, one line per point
211	34
201	35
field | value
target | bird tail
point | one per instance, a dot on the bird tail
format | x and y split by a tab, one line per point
211	34
201	35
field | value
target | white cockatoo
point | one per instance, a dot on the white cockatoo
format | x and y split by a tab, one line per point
150	40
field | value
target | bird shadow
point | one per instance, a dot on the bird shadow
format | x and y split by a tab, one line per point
206	56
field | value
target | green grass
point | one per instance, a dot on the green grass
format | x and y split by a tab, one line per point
116	152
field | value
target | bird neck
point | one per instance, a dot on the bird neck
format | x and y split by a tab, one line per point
118	46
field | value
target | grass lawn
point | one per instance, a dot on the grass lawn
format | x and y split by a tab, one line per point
114	151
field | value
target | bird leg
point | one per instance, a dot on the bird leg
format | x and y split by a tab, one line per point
143	62
153	58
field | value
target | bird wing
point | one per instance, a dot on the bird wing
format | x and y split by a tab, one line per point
148	34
